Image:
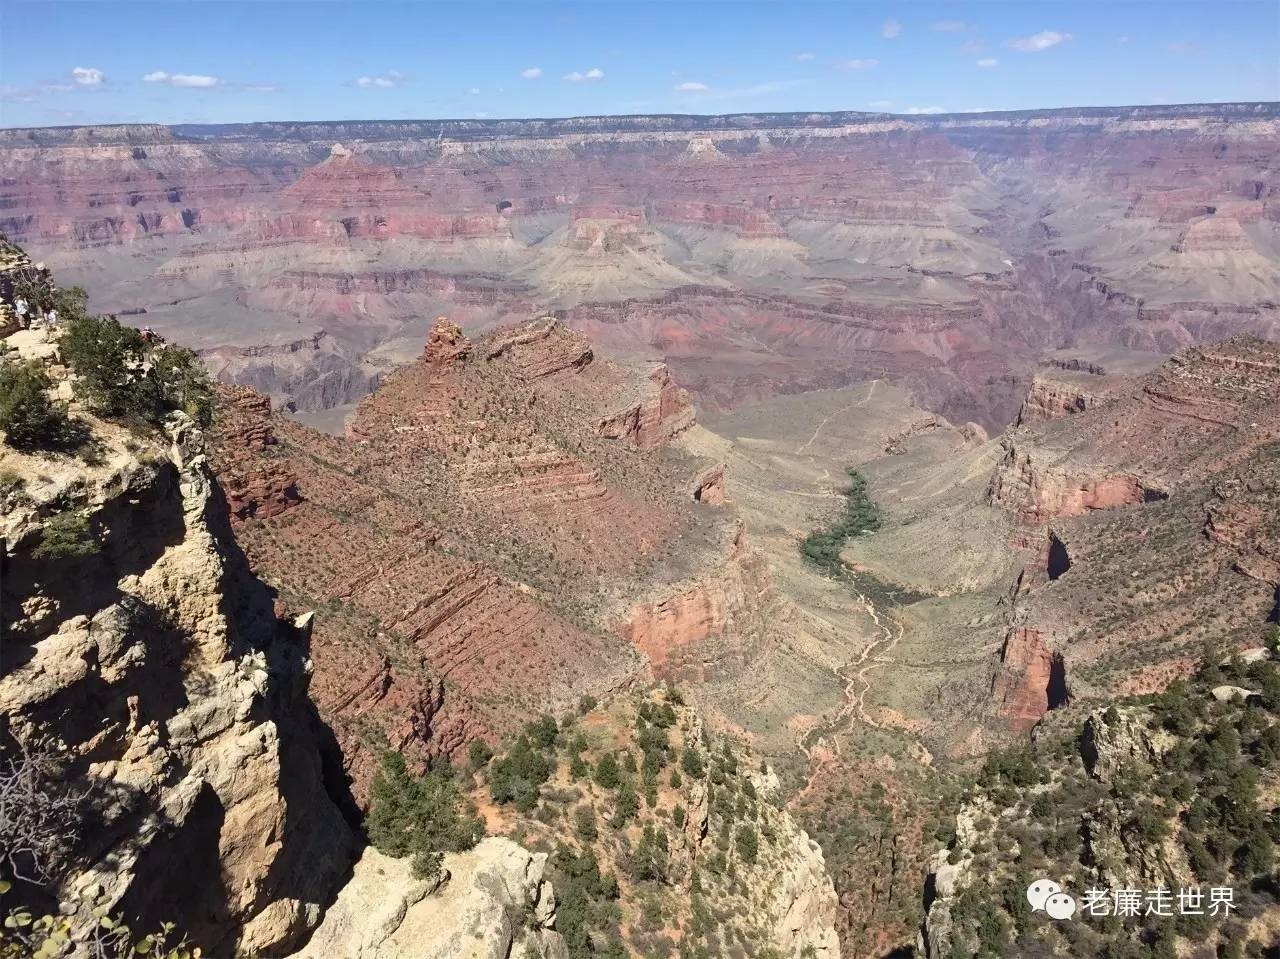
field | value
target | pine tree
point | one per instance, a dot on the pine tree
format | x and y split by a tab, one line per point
422	816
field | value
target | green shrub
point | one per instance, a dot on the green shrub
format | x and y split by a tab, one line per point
651	857
515	777
543	731
608	775
29	418
584	818
479	753
122	375
627	805
419	816
691	763
67	535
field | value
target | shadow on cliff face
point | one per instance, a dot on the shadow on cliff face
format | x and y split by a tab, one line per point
318	842
179	877
1059	558
132	536
1057	693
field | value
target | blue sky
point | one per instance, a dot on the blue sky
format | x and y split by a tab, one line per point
225	61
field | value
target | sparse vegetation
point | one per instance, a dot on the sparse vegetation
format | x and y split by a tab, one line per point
25	935
1190	780
615	811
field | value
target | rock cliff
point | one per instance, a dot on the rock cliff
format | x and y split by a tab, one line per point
152	664
476	527
492	902
1161	795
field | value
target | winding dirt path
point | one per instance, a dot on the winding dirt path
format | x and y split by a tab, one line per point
834	413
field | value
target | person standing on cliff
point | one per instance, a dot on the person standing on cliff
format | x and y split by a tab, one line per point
20	307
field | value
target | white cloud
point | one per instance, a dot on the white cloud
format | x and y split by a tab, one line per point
891	29
595	73
532	73
1184	48
193	80
950	26
388	81
692	86
988	62
860	64
1038	41
880	104
1122	39
88	76
474	91
805	56
199	80
753	91
923	111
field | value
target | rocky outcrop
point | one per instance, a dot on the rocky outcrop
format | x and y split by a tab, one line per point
15	266
1118	739
1040	487
1031	679
257	482
1048	399
492	902
950	871
446	345
709	488
155	661
541	348
662	412
803	907
711	627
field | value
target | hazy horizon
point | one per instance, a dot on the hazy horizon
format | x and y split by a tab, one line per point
915	117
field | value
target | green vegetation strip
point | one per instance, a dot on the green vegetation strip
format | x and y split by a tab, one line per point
822	547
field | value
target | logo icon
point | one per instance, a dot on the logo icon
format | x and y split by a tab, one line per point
1047	895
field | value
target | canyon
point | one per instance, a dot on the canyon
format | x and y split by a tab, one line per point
753	254
531	418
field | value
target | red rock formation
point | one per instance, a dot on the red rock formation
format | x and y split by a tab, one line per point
257	482
711	627
708	486
1050	398
446	345
543	348
1030	681
1194	560
663	412
953	296
1043	493
459	543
